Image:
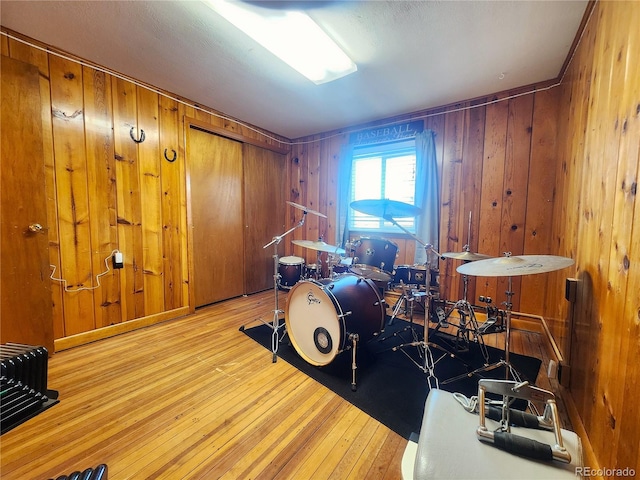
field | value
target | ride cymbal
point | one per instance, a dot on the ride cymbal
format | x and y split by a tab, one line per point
384	208
514	266
319	246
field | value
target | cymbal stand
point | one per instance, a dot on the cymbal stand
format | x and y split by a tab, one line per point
423	345
275	323
465	328
510	371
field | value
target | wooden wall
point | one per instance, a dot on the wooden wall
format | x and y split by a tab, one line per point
495	161
597	222
106	192
553	172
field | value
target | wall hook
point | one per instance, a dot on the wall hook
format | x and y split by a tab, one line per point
175	155
141	139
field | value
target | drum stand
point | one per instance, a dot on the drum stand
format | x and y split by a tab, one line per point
510	371
275	323
423	345
465	328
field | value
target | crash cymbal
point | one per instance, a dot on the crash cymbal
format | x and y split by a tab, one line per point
386	208
306	210
319	246
466	256
514	266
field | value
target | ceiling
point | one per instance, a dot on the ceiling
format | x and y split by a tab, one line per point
411	55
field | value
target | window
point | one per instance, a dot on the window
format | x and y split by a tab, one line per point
383	172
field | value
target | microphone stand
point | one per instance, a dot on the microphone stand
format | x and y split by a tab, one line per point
275	323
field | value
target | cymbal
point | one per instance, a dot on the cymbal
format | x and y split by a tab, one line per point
385	208
372	273
466	256
513	266
319	246
306	210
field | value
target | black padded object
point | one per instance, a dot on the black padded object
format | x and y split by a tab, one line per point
516	417
522	446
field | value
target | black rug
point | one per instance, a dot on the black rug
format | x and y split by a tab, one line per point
390	387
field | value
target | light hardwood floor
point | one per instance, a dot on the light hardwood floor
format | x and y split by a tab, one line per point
194	398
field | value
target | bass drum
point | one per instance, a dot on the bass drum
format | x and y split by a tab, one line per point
320	315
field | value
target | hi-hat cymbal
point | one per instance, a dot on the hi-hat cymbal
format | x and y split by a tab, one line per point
306	210
514	266
466	256
372	273
319	246
386	208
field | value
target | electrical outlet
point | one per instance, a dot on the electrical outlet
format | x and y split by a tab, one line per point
118	260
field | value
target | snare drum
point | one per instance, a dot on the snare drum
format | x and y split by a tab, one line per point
376	252
320	315
290	270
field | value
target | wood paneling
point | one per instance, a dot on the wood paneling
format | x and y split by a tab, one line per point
597	177
559	176
571	194
485	157
105	192
101	168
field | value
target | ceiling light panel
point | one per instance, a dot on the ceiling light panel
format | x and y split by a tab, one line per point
293	37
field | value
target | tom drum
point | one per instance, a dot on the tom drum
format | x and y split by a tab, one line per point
418	275
401	274
376	252
320	315
290	270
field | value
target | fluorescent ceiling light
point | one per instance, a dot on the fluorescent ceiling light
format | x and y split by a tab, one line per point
293	37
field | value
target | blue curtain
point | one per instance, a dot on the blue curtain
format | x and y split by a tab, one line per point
427	195
344	194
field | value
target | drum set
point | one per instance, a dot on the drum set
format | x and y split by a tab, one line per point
328	314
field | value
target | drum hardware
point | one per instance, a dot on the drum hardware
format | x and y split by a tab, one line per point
509	266
275	322
390	210
423	344
495	318
467	327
